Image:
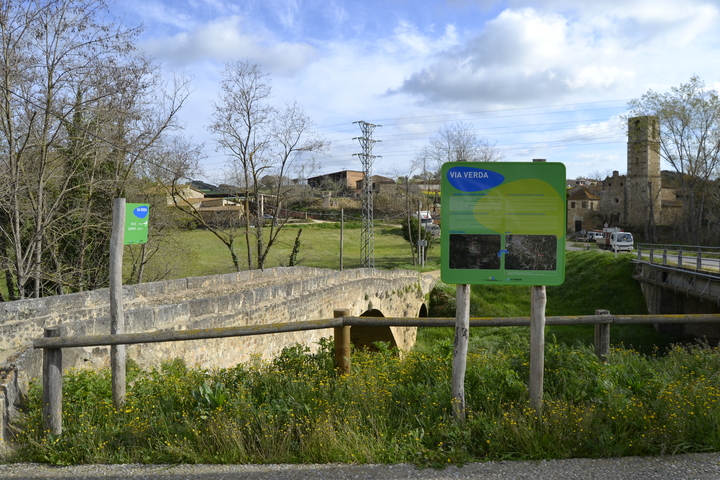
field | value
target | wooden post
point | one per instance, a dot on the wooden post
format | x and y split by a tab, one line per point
698	259
419	248
117	315
538	300
342	342
462	336
342	227
602	337
52	384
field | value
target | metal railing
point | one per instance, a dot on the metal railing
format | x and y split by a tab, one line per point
683	256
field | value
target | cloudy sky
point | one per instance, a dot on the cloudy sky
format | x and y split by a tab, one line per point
538	79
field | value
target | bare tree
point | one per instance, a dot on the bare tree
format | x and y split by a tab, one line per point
77	108
457	142
160	171
262	140
689	140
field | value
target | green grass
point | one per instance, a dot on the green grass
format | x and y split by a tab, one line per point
593	280
390	408
320	248
297	409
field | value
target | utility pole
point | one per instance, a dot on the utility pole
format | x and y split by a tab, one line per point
367	236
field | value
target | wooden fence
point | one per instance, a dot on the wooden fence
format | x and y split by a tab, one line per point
53	342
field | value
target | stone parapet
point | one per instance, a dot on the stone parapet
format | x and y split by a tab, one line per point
277	295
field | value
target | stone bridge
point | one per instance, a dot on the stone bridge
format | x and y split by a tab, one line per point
256	297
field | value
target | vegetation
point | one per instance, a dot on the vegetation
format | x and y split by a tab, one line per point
298	409
320	247
594	280
80	108
409	228
689	118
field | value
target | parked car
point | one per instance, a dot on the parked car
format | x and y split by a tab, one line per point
593	235
269	218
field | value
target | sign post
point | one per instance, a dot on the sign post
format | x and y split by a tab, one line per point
504	224
117	314
129	226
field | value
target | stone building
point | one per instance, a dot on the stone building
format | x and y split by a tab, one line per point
637	200
345	178
583	209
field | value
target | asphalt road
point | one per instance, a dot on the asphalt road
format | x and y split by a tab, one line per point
702	466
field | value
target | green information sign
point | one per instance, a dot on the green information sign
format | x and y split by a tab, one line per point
503	223
136	223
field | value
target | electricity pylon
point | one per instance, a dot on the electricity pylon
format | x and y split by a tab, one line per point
367	236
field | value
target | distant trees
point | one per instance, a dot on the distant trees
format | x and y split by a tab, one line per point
262	139
456	142
689	118
411	233
78	108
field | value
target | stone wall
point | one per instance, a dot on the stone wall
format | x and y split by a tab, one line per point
275	295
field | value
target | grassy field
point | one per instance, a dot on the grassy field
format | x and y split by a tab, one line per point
320	247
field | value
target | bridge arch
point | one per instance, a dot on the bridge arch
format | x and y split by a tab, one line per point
364	337
275	295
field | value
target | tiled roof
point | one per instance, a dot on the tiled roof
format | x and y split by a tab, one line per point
581	193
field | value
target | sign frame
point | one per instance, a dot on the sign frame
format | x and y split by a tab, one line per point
503	223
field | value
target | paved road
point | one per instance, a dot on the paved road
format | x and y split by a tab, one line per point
704	466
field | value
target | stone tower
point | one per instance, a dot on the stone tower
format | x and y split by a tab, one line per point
643	184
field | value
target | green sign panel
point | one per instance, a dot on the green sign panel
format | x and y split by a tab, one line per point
503	223
136	223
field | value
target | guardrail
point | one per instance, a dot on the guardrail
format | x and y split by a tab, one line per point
53	342
684	256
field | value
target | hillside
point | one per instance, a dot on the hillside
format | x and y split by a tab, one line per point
593	280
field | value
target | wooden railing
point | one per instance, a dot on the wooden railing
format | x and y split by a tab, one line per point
53	342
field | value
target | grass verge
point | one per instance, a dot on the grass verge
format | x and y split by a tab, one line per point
297	409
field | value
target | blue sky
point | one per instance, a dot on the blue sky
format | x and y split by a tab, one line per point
538	79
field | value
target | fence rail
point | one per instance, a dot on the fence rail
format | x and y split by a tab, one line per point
684	256
53	342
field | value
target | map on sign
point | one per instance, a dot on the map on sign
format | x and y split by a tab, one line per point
503	223
136	223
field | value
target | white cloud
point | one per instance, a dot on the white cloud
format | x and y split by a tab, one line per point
527	53
223	39
286	12
519	55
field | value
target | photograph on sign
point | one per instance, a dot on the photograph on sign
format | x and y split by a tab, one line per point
136	223
503	223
